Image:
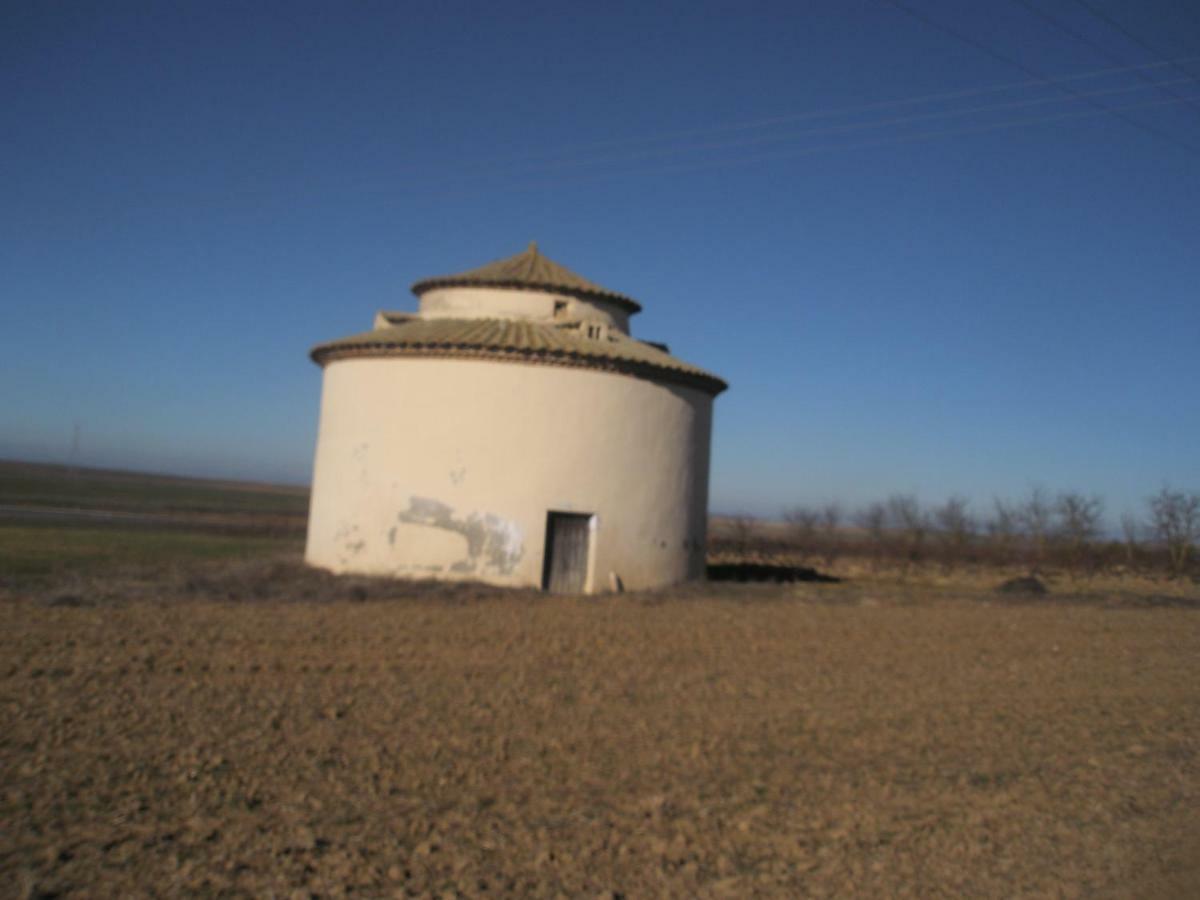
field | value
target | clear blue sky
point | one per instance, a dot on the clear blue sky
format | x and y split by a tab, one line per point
905	293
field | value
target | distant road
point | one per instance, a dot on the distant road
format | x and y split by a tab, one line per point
250	522
33	513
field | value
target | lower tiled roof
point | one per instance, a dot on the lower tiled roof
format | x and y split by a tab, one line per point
521	341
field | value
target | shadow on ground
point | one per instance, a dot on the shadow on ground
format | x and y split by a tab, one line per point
766	572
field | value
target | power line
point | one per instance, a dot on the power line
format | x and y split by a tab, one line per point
1033	73
1084	39
947	132
1105	17
827	130
886	104
826	148
570	152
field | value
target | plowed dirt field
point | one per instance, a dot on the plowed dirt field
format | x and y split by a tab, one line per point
795	740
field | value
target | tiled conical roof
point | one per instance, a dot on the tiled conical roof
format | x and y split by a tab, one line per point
528	270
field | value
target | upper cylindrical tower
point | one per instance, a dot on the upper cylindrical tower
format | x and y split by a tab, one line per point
525	286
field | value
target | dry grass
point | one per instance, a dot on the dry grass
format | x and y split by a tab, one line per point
212	729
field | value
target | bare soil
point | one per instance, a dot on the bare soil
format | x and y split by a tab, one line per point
258	730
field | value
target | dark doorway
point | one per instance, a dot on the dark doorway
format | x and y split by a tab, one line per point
565	565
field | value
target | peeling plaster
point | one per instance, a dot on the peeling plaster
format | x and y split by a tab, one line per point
493	543
344	530
345	536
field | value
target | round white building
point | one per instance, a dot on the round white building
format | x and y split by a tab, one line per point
512	431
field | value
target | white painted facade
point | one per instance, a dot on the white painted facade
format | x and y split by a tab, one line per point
536	306
447	465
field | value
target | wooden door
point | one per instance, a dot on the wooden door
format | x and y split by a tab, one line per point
564	570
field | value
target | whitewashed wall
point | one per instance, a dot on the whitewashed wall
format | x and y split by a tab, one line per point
447	467
512	303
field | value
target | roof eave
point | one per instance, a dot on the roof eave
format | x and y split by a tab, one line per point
325	353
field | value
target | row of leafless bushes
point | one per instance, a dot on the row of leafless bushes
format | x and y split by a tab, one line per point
1043	530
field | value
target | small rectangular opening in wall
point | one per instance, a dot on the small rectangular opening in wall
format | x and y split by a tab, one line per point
565	564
